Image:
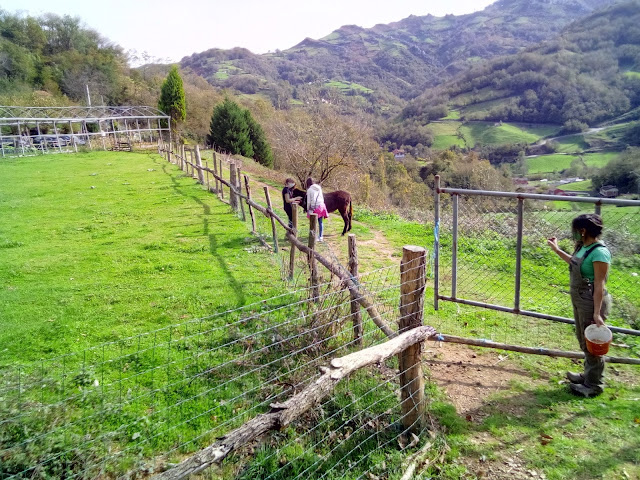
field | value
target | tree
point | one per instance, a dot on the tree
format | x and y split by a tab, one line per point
623	172
229	130
319	143
261	148
172	99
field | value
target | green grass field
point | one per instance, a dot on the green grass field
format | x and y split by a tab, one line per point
453	115
571	144
583	186
345	86
445	135
486	133
600	159
105	245
549	163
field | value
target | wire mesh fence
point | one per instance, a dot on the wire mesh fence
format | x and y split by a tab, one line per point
127	408
479	263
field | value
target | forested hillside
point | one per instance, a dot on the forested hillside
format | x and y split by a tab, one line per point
383	66
57	55
589	74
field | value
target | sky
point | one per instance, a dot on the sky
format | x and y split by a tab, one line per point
170	30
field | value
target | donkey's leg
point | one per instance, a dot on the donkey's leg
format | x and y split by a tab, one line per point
345	217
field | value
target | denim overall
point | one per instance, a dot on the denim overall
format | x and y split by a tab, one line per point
581	290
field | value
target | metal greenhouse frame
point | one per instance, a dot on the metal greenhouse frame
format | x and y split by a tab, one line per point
37	130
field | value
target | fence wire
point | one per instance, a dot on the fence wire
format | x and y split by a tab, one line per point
127	408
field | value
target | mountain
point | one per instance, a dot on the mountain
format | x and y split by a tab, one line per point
589	74
388	64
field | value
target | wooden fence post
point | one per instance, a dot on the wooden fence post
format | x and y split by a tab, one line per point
253	218
273	221
232	181
221	184
412	285
168	147
313	227
199	164
183	160
238	186
206	165
294	224
215	171
356	315
193	169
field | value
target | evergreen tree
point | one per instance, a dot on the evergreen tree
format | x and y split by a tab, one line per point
172	99
229	130
234	130
261	149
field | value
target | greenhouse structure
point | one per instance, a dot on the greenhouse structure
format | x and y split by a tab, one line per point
38	130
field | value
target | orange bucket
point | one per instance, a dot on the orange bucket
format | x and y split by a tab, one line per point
598	339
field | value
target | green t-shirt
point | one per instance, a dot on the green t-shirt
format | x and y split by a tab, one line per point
600	254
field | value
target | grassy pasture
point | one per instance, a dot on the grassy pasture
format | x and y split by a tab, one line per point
445	135
486	133
100	245
600	159
345	86
549	163
571	144
583	186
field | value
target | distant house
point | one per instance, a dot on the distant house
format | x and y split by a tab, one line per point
398	153
609	191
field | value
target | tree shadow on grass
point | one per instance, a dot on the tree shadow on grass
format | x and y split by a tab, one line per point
553	411
214	245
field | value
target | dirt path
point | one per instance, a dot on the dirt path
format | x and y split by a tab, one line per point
469	379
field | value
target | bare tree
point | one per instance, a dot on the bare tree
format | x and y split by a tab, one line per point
320	143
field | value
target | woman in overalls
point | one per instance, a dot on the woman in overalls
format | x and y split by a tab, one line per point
588	270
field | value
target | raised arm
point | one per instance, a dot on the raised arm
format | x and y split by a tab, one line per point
553	243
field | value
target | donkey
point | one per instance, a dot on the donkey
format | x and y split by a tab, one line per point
338	200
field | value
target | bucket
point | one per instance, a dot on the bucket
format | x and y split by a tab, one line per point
598	339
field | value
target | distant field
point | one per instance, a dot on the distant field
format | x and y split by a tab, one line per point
583	186
549	163
558	162
480	110
453	115
599	159
343	86
486	133
481	95
571	144
632	74
445	135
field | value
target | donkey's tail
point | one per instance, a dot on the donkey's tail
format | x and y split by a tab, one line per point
350	213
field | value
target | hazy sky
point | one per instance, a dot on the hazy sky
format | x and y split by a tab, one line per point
170	30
